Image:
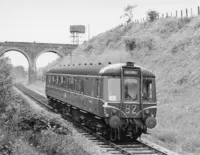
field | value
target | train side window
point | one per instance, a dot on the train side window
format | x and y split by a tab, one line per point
72	83
68	82
63	85
92	87
49	80
66	78
77	85
56	80
53	81
61	81
87	86
98	87
75	80
82	86
65	82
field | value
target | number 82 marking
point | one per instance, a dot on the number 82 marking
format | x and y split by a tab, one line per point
129	107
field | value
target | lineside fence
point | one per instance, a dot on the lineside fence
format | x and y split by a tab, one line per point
184	13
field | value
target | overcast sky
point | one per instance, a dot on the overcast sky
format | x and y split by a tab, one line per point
49	20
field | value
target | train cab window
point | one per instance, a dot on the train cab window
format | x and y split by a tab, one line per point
148	89
131	89
114	89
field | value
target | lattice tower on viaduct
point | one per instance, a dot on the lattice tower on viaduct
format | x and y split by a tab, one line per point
33	50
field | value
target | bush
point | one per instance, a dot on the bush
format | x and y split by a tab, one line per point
152	15
145	42
130	43
5	83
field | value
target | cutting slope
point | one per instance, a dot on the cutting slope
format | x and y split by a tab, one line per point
170	48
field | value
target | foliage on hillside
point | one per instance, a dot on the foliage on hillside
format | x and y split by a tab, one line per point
5	83
168	41
170	49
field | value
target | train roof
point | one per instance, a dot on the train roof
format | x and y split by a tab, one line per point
97	69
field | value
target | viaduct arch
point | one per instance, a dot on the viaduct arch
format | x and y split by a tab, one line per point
33	50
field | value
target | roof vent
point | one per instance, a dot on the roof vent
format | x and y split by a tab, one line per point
130	64
99	63
85	63
90	63
109	62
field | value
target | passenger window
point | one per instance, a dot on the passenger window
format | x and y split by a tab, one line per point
82	86
78	85
53	80
63	85
97	88
49	79
57	80
72	84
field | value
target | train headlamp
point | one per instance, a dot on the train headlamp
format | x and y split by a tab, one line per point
150	122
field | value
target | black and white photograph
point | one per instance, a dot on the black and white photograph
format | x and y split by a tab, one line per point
99	77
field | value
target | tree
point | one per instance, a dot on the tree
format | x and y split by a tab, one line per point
128	13
152	15
19	72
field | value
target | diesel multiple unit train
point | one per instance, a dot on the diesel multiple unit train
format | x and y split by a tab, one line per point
116	100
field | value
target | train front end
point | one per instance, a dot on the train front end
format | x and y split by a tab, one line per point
130	106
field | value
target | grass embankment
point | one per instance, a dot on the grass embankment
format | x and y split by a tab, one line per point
170	49
25	130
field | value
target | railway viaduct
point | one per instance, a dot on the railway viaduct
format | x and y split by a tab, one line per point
33	50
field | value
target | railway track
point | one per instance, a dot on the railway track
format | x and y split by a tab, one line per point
138	147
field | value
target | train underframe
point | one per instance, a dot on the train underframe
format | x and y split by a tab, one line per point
131	130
